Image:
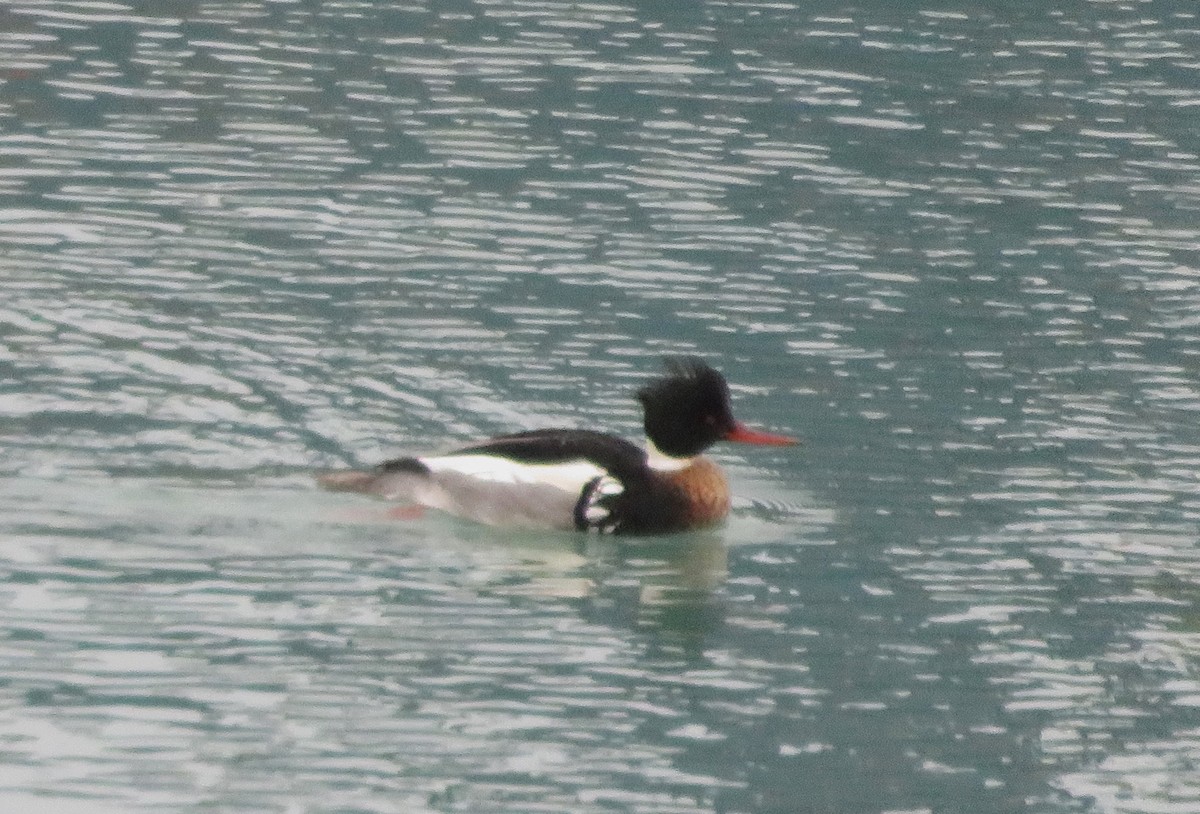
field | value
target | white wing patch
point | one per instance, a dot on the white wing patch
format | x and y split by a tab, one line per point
500	491
570	476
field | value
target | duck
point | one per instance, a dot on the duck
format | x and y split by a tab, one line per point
581	479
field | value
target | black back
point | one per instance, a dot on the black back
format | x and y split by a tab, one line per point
623	459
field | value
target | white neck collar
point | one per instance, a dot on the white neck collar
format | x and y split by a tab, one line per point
662	462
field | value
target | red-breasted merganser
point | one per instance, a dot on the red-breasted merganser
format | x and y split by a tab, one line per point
583	479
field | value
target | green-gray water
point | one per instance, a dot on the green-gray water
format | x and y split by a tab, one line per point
952	246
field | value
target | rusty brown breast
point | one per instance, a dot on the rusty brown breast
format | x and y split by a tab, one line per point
702	492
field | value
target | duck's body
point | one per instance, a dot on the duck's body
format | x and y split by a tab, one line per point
582	479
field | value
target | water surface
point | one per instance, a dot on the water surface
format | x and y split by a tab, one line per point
952	247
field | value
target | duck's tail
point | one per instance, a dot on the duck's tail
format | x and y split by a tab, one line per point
396	480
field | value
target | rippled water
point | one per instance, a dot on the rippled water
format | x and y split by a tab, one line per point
953	247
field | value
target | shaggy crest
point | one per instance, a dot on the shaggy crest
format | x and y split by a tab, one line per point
687	410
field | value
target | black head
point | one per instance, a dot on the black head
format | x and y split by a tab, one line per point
687	410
